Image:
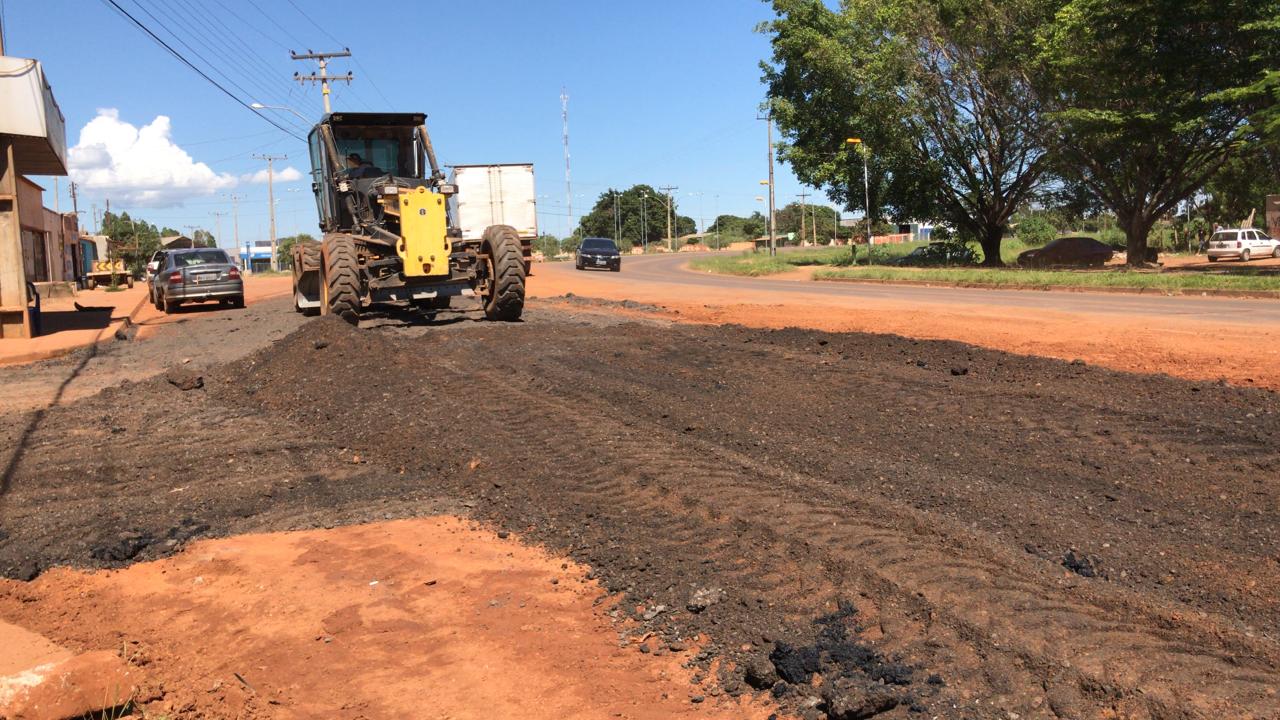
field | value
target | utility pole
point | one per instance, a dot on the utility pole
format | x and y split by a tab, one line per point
271	202
235	229
217	217
773	235
324	77
568	185
671	243
803	196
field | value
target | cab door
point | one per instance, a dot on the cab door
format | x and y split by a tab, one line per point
319	163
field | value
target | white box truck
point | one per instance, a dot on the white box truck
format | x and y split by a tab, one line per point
497	195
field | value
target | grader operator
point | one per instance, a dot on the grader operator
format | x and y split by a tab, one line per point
389	235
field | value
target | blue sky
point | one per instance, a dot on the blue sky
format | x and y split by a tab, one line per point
664	93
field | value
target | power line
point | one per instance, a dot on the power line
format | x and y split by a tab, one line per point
198	71
173	14
200	11
368	76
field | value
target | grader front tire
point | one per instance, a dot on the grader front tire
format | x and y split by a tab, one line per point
504	293
341	286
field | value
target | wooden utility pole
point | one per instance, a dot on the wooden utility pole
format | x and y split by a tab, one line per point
271	202
671	242
324	77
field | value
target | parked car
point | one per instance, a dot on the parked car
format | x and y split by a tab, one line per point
1243	243
196	275
598	253
154	264
939	253
1068	252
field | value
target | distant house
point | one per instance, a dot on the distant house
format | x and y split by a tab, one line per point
176	242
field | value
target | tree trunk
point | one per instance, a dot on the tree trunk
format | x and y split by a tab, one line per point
1136	229
990	241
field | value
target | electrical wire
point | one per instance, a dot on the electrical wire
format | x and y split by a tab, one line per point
172	14
200	12
181	58
360	65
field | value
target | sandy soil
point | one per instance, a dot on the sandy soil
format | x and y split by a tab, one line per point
432	617
1248	355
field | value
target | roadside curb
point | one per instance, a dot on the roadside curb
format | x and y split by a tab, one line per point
107	334
1251	294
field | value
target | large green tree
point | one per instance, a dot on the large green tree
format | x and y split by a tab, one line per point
740	228
937	90
284	248
1149	98
1243	184
642	213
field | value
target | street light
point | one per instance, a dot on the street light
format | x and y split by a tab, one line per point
260	106
644	219
773	243
866	189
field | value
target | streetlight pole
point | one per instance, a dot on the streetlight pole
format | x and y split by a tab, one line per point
866	189
260	106
644	220
617	221
773	234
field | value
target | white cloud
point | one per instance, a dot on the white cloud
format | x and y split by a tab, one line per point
139	166
289	174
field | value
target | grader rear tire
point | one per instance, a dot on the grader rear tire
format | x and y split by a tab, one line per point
504	290
341	283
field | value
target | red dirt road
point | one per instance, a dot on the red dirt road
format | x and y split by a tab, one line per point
1192	338
431	617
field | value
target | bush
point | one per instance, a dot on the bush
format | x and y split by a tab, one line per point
1035	231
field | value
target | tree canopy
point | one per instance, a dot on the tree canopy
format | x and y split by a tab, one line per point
936	91
1148	99
642	213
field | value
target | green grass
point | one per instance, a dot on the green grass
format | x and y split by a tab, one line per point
1170	281
760	263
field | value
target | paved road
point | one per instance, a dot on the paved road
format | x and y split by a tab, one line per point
671	269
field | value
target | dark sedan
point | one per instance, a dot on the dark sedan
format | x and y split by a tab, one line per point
196	275
598	253
1068	252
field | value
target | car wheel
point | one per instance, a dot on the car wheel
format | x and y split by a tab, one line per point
1212	259
1244	256
1276	253
616	268
238	302
170	306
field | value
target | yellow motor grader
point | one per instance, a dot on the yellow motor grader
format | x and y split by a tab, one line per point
389	234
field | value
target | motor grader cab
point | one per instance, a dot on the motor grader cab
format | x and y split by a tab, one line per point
388	233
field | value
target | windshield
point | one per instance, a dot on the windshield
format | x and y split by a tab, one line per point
200	257
1224	236
372	151
599	244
